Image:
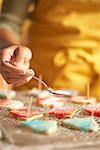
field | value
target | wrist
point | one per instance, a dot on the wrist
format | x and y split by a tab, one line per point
7	38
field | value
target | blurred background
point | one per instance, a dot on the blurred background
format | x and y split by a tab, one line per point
64	37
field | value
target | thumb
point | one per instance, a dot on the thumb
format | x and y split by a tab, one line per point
19	57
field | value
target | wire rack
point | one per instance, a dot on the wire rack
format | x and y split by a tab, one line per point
65	136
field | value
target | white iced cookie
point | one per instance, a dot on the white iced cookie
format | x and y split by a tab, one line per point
44	94
11	104
39	93
11	93
52	102
34	92
83	100
14	104
6	94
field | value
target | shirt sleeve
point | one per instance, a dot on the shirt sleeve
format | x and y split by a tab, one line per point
12	15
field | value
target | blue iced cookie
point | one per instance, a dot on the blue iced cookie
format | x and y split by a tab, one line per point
40	126
84	124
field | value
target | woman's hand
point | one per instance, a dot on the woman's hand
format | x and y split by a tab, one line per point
14	65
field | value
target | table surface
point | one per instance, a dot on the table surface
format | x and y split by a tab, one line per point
8	146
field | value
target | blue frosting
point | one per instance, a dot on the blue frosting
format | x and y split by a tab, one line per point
83	124
40	125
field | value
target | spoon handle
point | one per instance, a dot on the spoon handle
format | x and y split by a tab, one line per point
47	88
36	78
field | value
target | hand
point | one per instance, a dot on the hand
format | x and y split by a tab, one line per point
14	65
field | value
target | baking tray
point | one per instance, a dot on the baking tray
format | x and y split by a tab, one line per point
64	136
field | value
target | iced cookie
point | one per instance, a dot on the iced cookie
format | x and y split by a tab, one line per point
40	126
93	110
62	112
35	92
11	104
25	114
49	104
4	103
52	102
14	104
84	124
7	94
83	100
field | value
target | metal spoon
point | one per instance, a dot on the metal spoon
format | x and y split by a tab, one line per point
52	91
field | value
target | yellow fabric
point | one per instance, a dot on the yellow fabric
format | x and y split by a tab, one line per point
65	39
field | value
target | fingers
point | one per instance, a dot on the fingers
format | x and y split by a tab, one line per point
22	82
18	76
18	58
14	65
22	55
6	54
17	80
11	69
17	55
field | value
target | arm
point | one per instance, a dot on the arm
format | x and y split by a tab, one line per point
11	19
17	71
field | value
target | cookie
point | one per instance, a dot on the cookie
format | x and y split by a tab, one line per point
83	100
93	110
6	94
83	124
11	104
4	103
25	114
35	92
15	104
40	126
62	112
52	102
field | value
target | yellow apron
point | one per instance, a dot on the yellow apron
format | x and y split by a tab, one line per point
65	40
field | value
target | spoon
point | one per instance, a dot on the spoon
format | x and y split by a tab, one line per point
52	91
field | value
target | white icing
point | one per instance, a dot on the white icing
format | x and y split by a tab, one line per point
65	92
16	104
44	94
53	101
8	93
39	93
83	99
34	91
